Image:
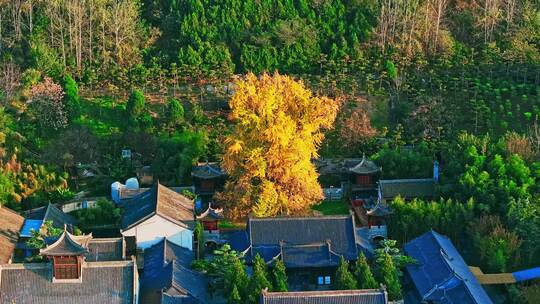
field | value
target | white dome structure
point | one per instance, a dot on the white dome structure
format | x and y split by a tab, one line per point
116	187
132	183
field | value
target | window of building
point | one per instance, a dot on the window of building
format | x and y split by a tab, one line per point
324	280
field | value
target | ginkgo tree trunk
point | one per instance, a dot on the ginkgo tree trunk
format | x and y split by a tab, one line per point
278	129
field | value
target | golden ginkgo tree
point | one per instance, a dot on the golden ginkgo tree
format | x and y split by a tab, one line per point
278	129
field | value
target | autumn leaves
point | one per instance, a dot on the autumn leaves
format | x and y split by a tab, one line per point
278	130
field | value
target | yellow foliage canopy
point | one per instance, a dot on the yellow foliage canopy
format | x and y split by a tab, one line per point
278	131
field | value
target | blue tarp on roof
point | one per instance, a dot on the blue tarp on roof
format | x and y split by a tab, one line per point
527	274
440	274
30	225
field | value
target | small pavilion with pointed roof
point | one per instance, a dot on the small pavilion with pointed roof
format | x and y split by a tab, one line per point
67	256
363	179
207	178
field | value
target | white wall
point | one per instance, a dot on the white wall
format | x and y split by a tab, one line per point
156	228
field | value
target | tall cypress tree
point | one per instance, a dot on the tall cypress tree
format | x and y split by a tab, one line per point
344	279
174	113
71	97
280	277
135	105
236	276
390	277
259	279
363	273
234	296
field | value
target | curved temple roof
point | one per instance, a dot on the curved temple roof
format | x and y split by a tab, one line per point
207	171
66	245
365	166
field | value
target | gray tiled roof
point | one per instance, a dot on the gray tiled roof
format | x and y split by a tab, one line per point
94	249
64	246
111	249
177	299
187	285
162	262
362	296
407	188
337	230
102	282
365	166
313	255
157	200
207	171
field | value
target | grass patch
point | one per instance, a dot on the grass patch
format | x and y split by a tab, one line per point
103	116
225	224
332	207
99	128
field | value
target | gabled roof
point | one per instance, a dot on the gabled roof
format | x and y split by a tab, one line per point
53	214
10	225
365	166
407	188
102	282
361	296
207	170
161	254
332	234
66	245
158	200
106	249
166	267
440	274
158	268
186	286
309	255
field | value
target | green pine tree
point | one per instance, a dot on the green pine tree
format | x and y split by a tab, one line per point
236	276
280	277
234	296
71	96
390	277
259	279
135	105
363	273
174	113
344	279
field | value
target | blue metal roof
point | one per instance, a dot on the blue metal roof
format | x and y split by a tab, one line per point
440	274
527	274
30	225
